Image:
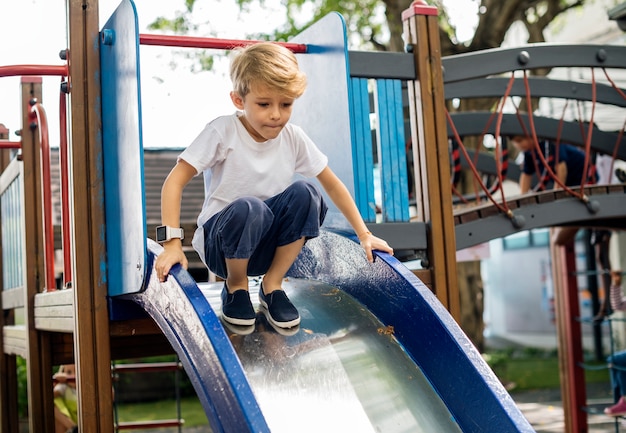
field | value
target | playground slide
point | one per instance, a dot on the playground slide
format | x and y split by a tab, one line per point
405	368
375	352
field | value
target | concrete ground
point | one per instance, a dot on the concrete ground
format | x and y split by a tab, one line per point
544	410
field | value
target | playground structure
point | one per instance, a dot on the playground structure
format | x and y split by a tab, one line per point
80	320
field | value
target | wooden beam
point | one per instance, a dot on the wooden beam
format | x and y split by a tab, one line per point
430	152
62	348
54	311
14	337
13	298
91	338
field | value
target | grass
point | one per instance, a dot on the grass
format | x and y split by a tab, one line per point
191	411
535	369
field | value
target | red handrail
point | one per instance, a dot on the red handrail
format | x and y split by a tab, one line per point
6	144
18	70
202	42
38	114
65	198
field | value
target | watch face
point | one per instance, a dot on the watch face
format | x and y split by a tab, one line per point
161	233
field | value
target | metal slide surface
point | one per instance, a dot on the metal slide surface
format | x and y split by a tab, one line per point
341	370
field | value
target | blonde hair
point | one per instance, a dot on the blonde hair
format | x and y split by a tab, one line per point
266	63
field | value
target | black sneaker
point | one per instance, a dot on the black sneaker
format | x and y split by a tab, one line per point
237	308
278	309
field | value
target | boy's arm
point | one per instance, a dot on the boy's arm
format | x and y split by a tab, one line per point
171	195
524	183
618	301
561	174
340	195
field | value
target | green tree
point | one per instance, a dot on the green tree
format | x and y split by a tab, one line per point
377	25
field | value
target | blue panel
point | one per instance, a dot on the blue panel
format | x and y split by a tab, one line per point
123	152
323	109
362	157
392	151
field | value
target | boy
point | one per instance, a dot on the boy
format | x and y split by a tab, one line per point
617	361
255	219
569	170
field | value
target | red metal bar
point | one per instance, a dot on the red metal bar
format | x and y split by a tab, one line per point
39	114
199	42
136	425
6	144
146	367
65	195
573	373
18	70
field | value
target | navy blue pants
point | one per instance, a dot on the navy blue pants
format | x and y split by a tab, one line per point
618	375
250	228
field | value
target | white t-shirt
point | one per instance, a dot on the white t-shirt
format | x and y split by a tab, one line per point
237	166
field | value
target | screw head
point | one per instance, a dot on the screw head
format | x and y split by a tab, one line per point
523	57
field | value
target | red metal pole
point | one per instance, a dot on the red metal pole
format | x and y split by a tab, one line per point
6	144
18	70
38	113
65	194
573	390
199	42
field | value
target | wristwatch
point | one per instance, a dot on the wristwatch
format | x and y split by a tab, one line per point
166	233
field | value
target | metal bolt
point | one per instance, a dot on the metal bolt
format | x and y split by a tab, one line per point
523	57
108	36
518	221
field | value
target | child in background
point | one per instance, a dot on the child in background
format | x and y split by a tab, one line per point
256	218
617	361
568	165
65	400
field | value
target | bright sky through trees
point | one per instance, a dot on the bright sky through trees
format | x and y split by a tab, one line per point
176	102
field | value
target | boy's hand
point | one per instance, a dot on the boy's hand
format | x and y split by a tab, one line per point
171	255
370	242
616	278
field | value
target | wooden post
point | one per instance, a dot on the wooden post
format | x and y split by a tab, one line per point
430	151
92	349
8	391
5	154
573	390
9	421
40	403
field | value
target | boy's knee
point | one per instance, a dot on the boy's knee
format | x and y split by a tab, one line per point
247	205
305	191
